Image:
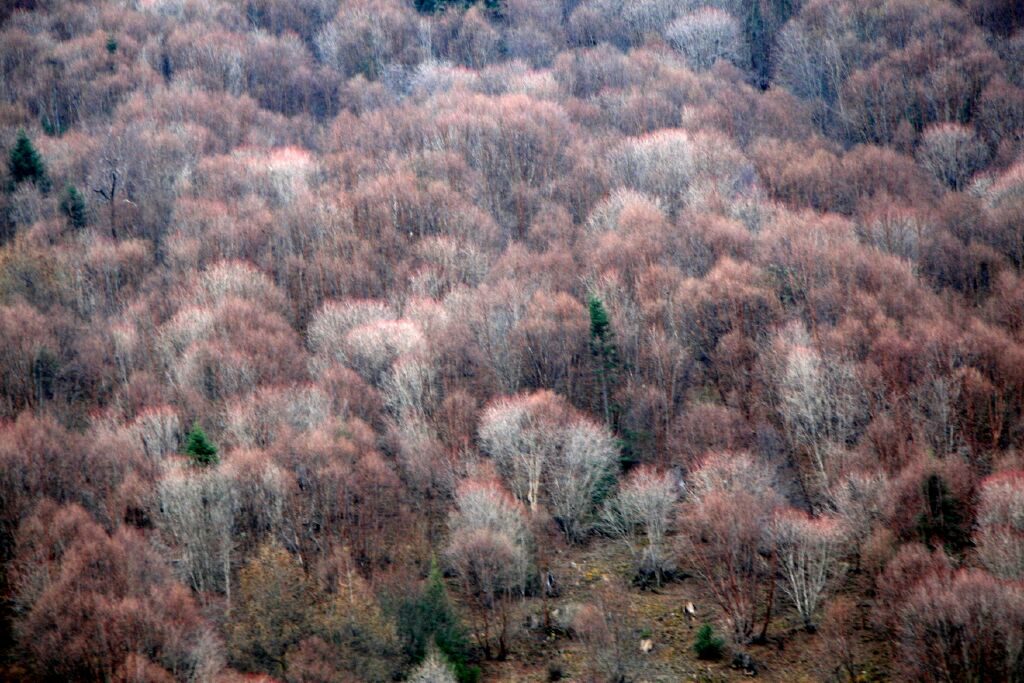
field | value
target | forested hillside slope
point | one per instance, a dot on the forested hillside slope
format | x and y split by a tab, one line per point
352	341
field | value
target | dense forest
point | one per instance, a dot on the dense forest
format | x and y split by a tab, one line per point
353	341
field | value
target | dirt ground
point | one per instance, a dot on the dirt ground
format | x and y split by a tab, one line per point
791	655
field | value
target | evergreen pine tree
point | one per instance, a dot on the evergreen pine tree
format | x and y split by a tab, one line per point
429	618
602	348
444	623
707	645
432	6
24	163
72	205
757	38
200	448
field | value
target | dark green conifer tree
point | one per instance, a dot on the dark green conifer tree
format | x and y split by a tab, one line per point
757	38
707	645
25	163
429	618
200	448
72	205
606	357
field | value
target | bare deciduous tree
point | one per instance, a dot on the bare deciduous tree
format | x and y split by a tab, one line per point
965	627
725	539
641	514
705	36
519	433
823	408
157	431
372	349
334	320
197	512
490	548
1000	534
606	627
660	164
584	464
809	551
861	499
952	153
545	450
732	472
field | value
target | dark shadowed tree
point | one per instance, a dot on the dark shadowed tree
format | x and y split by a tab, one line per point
606	359
25	163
